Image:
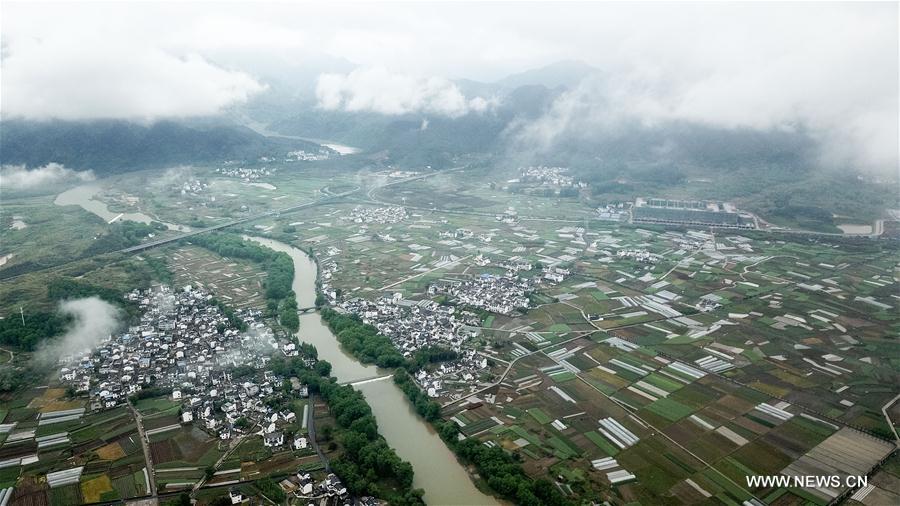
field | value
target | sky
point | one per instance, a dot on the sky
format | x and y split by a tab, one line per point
831	68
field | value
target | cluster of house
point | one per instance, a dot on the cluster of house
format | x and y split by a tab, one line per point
514	265
328	491
327	268
382	215
612	212
554	274
307	156
453	377
465	233
554	176
509	217
185	343
234	408
400	174
497	294
638	255
412	325
193	187
245	174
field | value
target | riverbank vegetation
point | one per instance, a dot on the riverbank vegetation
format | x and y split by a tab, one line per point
123	234
364	342
279	267
367	464
427	408
502	473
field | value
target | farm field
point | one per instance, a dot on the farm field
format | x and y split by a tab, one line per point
778	344
643	365
238	283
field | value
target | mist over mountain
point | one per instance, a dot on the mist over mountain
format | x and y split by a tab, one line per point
111	146
532	117
562	74
524	126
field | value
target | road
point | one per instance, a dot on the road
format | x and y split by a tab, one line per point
145	444
311	428
414	276
12	355
276	212
887	417
233	445
747	268
220	226
510	366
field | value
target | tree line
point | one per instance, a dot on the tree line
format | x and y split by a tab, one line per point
368	465
42	325
503	474
500	470
37	327
364	342
121	235
279	267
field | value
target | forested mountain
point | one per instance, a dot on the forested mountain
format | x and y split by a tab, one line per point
116	146
534	117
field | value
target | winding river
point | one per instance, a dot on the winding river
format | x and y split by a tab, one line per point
437	471
83	196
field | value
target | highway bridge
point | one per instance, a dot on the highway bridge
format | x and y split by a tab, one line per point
330	197
276	212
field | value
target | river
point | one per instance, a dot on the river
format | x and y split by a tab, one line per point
437	471
261	129
83	196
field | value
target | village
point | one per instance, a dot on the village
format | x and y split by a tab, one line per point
186	344
570	314
380	215
245	174
591	348
215	373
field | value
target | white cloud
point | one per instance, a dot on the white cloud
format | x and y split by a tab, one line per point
18	177
377	90
834	76
99	70
93	320
829	67
854	129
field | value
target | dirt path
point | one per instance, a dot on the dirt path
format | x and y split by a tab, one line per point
145	444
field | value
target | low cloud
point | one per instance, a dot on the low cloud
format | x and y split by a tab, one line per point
850	129
90	77
93	321
375	89
18	177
